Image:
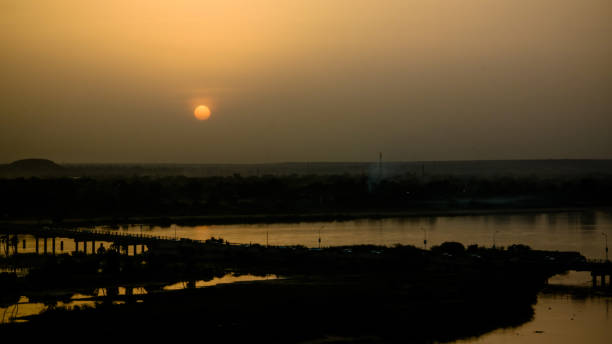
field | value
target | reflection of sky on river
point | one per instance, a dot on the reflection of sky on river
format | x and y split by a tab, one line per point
559	319
567	231
572	278
229	278
25	306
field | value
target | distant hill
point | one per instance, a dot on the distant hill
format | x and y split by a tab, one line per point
34	164
32	168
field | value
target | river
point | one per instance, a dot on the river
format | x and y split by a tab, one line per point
559	317
565	231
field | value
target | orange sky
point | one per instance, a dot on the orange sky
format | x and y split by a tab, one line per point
117	81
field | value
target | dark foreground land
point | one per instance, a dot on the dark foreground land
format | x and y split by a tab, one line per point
358	293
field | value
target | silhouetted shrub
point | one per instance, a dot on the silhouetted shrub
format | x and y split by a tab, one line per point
453	248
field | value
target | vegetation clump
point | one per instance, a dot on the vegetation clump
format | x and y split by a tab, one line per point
293	196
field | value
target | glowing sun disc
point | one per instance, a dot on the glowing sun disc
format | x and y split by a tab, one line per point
202	112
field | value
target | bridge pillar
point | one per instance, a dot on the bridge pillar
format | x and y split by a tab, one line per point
85	246
93	246
62	245
53	245
594	277
23	244
111	292
76	246
135	248
45	245
603	280
36	245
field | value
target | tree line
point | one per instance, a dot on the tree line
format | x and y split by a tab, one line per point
60	198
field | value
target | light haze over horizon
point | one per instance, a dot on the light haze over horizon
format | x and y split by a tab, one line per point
312	80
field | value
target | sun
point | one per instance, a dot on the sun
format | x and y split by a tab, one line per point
202	112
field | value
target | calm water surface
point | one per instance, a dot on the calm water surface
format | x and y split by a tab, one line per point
560	318
568	231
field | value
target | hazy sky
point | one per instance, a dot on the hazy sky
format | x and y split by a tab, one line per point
330	80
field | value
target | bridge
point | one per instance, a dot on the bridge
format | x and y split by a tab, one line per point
599	269
85	241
